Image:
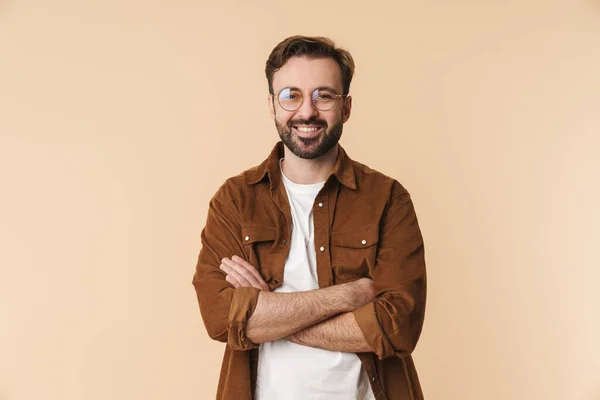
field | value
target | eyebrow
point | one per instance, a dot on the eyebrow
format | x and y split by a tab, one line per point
329	88
326	88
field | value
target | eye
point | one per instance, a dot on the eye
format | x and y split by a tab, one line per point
325	96
289	94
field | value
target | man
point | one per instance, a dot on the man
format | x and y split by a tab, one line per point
312	265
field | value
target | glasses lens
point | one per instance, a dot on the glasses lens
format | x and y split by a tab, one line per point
324	99
290	99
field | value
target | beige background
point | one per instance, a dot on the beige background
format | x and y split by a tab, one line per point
119	120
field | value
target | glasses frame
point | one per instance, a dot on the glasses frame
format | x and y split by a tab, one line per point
312	100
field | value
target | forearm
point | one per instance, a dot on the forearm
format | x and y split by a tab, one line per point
340	333
278	315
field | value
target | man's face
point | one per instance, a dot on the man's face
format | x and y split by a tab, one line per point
307	131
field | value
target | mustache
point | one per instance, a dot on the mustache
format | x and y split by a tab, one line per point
311	121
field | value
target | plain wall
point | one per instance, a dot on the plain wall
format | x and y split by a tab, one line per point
120	119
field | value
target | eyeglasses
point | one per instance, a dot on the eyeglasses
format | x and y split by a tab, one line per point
290	99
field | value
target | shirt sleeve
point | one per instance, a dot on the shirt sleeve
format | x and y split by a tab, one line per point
224	309
392	323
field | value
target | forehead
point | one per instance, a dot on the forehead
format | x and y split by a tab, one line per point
308	73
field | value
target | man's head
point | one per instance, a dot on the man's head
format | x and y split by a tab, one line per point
309	80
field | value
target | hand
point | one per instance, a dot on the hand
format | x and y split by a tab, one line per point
241	274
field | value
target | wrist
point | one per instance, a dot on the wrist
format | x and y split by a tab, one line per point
350	293
362	293
356	296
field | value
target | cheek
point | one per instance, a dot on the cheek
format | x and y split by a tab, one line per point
282	118
334	118
282	122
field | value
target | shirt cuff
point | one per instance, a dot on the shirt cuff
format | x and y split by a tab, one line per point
242	307
366	318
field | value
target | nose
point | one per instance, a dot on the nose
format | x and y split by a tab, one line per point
307	109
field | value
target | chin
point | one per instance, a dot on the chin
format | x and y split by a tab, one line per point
309	142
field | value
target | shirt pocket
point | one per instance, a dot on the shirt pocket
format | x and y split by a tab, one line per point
259	243
353	252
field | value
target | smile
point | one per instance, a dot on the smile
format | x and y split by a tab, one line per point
307	131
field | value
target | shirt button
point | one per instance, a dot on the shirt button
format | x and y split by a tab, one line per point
247	238
364	242
320	204
285	241
322	248
373	378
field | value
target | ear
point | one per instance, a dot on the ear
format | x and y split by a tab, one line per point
346	109
271	101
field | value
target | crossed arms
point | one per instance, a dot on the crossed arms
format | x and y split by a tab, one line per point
297	316
383	316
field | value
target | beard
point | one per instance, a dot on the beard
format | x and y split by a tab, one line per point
310	148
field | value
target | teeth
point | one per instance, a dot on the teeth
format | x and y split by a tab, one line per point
306	130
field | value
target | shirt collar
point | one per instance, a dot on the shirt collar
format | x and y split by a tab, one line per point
343	168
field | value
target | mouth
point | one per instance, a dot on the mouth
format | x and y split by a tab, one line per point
307	131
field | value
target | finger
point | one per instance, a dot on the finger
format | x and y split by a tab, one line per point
228	278
241	282
256	278
242	272
232	280
251	268
234	274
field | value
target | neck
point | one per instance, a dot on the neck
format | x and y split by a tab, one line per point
306	172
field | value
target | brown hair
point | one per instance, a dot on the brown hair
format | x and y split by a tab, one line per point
313	47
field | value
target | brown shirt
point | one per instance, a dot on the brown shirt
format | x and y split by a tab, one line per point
364	226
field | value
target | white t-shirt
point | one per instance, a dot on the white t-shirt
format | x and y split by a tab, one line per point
291	371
